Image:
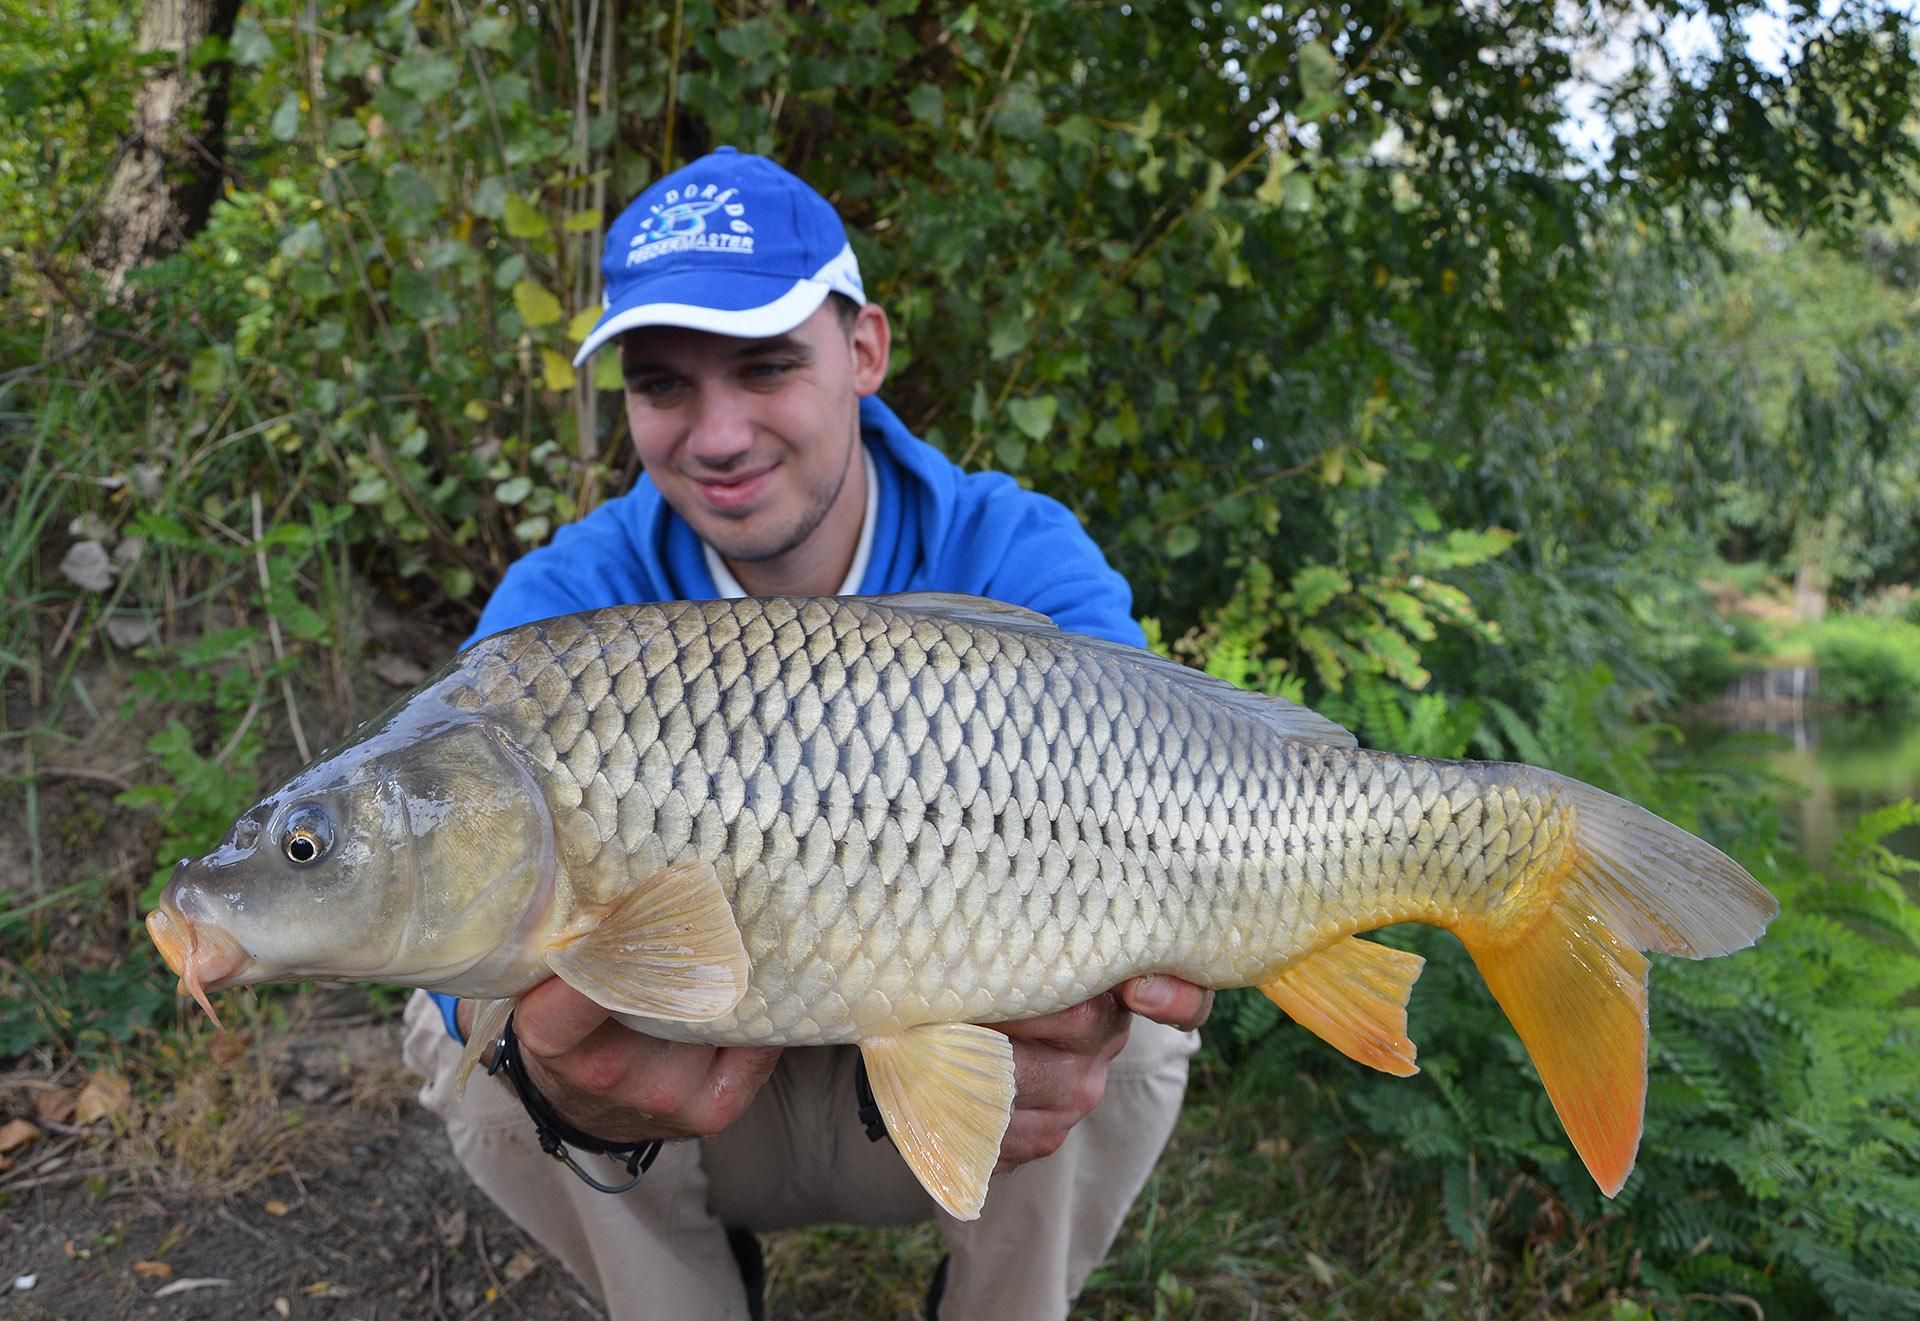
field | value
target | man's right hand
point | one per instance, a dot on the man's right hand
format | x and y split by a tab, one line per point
608	1080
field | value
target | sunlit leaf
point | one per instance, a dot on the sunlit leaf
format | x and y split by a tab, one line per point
524	218
555	370
537	306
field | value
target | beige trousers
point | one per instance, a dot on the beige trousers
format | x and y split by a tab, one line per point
800	1157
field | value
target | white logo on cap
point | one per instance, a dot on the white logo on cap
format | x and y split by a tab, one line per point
680	224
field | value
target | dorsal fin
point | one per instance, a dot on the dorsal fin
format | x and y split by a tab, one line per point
1286	719
971	609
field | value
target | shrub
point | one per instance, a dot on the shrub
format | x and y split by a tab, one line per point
1867	661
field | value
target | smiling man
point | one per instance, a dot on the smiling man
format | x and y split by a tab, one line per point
752	362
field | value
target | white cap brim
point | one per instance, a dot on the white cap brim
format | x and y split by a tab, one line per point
802	300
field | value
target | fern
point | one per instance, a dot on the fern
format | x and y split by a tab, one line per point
1781	1159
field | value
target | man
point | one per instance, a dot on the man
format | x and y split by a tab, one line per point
752	361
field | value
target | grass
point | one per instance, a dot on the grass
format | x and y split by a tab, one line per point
1246	1216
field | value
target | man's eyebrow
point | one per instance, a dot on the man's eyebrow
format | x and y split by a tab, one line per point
749	350
779	344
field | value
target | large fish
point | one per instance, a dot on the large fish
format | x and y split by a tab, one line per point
889	820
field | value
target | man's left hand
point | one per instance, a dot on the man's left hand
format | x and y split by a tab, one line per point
1060	1061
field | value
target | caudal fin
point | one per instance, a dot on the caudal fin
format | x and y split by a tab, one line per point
1574	983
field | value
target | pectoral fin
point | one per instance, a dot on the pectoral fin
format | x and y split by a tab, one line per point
668	949
946	1091
488	1019
1353	996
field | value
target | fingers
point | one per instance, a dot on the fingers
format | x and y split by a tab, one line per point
1060	1073
1088	1027
1167	1000
553	1018
610	1081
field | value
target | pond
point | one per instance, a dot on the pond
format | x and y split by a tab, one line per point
1847	762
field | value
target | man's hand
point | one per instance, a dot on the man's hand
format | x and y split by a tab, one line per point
1060	1061
608	1080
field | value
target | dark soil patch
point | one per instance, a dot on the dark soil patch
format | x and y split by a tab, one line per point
375	1220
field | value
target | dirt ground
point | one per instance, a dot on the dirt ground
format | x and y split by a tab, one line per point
369	1218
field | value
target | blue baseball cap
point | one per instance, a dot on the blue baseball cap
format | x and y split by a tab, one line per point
730	243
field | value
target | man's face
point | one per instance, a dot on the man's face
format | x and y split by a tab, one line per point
750	440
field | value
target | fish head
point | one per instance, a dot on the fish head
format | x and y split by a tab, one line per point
421	855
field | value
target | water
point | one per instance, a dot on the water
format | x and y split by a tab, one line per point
1847	762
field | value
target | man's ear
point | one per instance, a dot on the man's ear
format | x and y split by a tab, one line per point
871	342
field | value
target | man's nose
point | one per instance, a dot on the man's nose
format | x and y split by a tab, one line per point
722	431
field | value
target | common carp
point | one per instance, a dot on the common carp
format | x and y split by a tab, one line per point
888	820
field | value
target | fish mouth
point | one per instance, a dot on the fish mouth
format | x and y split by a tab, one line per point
203	956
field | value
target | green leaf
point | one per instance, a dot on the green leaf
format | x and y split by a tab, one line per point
208	371
490	32
369	490
513	490
250	45
926	104
304	243
580	222
606	371
1396	655
1408	612
523	218
419	295
1464	547
426	75
1316	585
583	323
346	134
556	370
1020	115
1035	415
1320	649
1183	540
285	124
752	39
1320	72
1296	193
537	306
1009	335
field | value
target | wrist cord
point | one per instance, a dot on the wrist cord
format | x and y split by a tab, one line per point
556	1134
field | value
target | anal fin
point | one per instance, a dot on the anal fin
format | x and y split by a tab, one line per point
669	948
946	1091
1576	992
1353	996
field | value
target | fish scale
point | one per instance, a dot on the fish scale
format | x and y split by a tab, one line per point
858	834
886	821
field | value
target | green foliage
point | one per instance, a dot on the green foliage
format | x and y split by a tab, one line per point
1782	1151
1310	320
86	1011
1866	661
1377	391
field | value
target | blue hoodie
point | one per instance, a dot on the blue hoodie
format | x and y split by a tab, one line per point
939	529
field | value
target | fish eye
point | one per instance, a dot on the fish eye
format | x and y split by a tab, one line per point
307	835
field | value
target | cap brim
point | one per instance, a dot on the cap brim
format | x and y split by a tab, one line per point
787	303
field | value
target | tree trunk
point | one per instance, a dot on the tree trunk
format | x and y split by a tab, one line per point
170	172
1810	590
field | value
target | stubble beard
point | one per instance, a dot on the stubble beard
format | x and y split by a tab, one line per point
745	548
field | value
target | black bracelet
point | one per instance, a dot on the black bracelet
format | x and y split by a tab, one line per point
555	1133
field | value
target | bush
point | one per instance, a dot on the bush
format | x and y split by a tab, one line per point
1866	661
1781	1157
